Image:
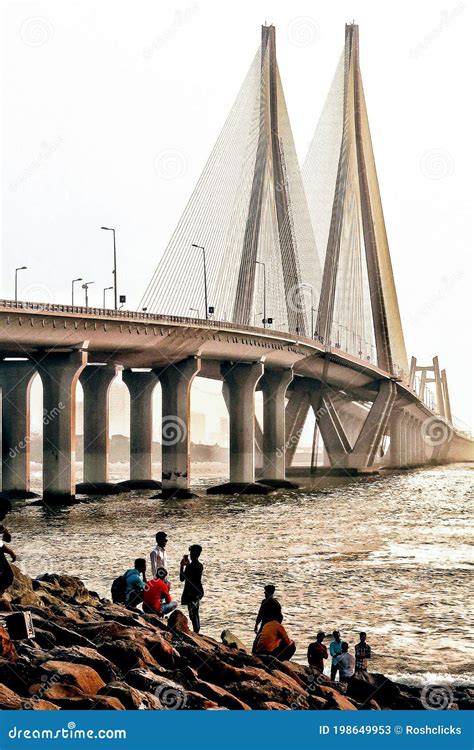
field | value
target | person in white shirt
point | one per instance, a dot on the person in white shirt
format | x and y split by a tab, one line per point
346	662
159	558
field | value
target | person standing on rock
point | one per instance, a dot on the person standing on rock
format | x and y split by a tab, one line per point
317	652
268	607
191	570
335	649
346	663
363	653
159	558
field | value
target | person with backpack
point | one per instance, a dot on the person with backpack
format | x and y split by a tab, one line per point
128	588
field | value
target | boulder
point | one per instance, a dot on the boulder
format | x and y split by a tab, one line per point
9	701
66	588
229	639
21	590
127	654
368	685
88	656
178	622
40	705
81	676
56	691
130	697
91	703
273	706
7	649
335	701
221	696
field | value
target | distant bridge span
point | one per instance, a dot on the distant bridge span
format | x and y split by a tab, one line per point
64	343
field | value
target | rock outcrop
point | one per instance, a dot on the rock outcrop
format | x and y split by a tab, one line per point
91	654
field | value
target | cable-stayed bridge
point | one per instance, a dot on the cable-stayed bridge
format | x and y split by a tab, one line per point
276	279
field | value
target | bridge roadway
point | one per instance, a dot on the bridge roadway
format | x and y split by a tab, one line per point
63	343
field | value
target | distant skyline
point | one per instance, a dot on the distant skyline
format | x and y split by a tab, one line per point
109	117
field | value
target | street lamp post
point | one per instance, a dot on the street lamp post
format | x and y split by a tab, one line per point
259	263
21	268
111	229
106	289
312	306
200	247
86	287
194	309
72	290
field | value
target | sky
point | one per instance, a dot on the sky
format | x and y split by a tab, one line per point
110	110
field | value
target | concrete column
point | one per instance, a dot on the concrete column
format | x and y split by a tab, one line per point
176	382
412	429
141	386
274	384
96	381
59	374
15	383
396	438
241	380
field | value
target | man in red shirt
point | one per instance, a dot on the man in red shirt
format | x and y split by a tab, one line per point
157	599
317	652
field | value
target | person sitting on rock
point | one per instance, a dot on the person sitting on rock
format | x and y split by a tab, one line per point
346	663
6	573
335	649
267	607
158	557
317	652
157	599
363	653
191	573
273	640
135	581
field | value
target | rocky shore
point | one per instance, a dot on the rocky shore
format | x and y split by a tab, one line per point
91	654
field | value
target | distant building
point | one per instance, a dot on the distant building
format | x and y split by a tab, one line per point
198	427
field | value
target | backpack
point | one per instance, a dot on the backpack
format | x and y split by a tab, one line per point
118	589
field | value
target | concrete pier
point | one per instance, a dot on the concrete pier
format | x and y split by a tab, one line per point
176	383
96	381
59	373
241	379
274	384
15	383
141	386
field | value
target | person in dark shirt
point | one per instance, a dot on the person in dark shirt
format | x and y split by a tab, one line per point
317	652
269	608
363	653
191	573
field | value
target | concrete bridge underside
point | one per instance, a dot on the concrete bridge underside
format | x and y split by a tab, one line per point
359	408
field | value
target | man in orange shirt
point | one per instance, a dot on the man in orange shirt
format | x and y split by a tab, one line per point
157	599
273	640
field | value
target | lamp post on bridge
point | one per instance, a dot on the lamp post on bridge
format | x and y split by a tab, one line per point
260	263
106	289
111	229
21	268
200	247
86	287
72	289
194	309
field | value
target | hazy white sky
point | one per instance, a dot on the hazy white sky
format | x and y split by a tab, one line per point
110	110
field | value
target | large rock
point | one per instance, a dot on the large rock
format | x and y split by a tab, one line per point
127	654
83	677
91	703
88	656
178	622
130	697
66	588
7	649
21	590
335	701
366	686
9	701
229	639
